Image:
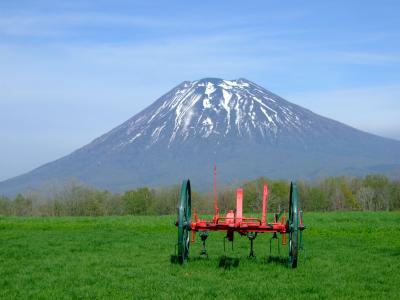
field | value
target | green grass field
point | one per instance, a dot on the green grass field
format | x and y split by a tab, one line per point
349	255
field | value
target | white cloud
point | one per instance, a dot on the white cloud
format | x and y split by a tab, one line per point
57	25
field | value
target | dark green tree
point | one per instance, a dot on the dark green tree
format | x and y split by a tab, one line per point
139	201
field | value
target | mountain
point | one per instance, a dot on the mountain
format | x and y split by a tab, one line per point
245	128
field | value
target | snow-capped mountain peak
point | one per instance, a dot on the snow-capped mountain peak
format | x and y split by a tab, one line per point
213	108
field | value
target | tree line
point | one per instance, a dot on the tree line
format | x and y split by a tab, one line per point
370	193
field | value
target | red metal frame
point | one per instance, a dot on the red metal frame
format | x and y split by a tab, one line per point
234	221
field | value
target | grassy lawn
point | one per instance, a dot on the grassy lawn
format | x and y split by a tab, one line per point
349	255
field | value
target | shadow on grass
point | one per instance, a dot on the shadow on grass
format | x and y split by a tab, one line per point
278	260
175	260
227	262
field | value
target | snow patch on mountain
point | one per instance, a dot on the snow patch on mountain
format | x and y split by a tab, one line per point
210	89
135	137
207	103
207	128
227	97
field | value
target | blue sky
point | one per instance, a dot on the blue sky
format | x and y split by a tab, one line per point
72	70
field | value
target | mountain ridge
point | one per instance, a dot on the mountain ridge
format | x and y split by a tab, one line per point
247	129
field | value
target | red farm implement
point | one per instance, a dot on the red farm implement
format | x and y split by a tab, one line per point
235	221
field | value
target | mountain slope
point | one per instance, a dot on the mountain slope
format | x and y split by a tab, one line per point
248	130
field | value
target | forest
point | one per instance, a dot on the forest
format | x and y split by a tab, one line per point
369	193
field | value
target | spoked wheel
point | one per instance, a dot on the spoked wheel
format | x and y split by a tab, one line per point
293	226
184	220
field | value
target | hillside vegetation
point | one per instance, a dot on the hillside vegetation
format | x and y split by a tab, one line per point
371	193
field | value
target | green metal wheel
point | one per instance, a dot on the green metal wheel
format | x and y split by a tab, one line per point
293	226
184	220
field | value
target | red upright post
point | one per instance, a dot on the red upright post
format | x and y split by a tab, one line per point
264	205
216	209
239	206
